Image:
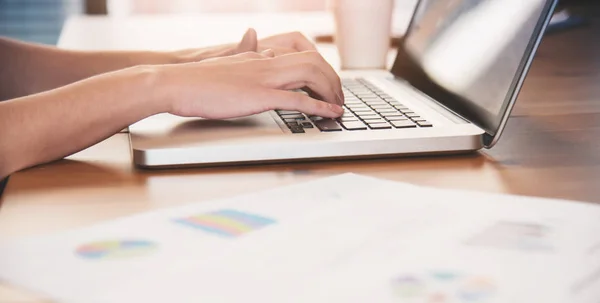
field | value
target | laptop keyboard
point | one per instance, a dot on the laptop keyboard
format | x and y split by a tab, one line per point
366	108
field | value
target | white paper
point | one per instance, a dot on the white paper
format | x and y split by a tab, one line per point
347	238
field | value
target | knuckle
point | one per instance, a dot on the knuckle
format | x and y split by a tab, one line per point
316	57
311	68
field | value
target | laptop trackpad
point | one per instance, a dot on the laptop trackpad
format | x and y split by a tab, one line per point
169	131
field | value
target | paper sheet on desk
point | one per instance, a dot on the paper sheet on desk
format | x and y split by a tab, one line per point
347	238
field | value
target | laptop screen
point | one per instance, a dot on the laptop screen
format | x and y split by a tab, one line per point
470	54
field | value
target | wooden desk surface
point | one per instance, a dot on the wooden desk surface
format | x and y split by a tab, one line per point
550	149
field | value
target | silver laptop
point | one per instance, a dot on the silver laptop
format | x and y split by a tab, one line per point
451	89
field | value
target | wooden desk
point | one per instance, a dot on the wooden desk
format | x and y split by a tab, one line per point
550	149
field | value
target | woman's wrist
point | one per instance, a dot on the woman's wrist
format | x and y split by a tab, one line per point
151	89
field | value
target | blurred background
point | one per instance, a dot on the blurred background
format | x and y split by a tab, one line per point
36	20
41	20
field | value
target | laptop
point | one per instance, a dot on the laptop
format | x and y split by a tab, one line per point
455	79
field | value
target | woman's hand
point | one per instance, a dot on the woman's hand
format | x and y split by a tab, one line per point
99	93
280	44
251	83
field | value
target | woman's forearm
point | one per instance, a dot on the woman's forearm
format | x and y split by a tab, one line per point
31	68
27	68
50	125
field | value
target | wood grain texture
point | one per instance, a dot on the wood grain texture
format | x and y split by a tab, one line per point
550	149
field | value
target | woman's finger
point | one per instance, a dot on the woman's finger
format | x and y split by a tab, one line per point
296	101
293	40
300	75
301	43
310	60
249	42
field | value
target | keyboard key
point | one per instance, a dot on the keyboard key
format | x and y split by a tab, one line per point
327	125
355	88
367	115
366	95
387	111
424	124
364	111
307	125
411	115
372	99
382	106
373	104
354	125
397	118
403	124
394	114
403	109
374	120
379	102
292	116
357	106
295	128
361	106
344	119
288	112
383	125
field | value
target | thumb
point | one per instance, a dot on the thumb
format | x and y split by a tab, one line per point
249	42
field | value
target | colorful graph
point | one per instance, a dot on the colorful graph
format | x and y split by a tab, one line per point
226	222
115	249
443	286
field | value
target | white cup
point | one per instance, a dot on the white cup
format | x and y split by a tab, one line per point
362	32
